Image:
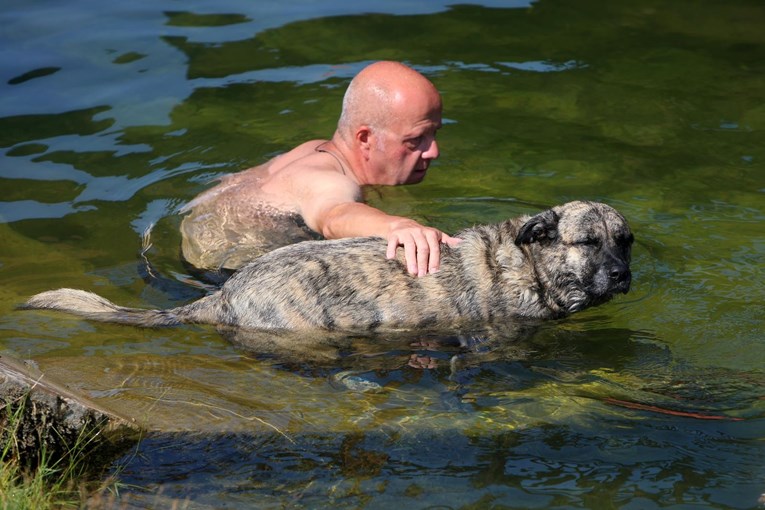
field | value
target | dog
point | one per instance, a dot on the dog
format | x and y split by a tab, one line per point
545	266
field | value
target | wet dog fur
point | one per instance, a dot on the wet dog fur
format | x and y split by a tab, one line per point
549	265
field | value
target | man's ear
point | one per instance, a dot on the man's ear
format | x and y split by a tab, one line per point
543	226
363	139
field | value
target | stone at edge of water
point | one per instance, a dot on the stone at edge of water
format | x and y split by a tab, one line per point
56	420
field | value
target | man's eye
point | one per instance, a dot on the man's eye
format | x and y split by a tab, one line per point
414	142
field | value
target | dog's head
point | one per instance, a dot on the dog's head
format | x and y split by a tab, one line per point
581	253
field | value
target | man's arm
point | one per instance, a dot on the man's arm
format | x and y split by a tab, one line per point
334	209
422	248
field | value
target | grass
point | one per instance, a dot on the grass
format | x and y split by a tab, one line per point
39	478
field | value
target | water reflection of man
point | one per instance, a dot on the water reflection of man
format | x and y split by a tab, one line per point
385	136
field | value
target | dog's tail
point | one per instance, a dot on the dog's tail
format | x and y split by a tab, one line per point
94	307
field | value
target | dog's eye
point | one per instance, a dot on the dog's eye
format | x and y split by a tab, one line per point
589	241
625	240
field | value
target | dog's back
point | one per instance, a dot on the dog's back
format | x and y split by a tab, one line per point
348	284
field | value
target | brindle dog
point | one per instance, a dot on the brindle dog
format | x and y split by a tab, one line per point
557	262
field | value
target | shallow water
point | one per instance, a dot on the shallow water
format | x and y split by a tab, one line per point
114	116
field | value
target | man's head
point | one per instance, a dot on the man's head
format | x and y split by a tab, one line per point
390	117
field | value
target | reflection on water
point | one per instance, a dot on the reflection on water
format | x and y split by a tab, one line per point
113	116
461	374
535	418
534	468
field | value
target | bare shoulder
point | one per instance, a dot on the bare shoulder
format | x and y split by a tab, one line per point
306	171
282	166
295	155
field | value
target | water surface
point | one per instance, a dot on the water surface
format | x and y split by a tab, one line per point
114	116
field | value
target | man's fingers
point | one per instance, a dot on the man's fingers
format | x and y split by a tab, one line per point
434	248
410	254
422	249
451	241
392	247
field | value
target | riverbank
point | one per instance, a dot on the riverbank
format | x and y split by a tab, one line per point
53	442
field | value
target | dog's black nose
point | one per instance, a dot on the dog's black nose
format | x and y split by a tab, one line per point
621	276
617	273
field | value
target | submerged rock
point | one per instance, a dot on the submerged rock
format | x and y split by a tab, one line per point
41	416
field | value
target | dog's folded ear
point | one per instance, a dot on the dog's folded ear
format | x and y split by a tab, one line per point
542	227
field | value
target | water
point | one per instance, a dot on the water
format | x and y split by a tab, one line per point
114	116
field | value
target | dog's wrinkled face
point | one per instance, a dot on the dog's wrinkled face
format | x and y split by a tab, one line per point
581	252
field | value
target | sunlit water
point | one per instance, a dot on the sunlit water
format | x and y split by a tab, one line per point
114	115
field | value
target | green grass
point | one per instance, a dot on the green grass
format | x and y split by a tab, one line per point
40	479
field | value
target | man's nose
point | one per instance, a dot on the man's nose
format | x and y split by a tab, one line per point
432	151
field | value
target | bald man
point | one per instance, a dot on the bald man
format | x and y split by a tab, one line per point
386	135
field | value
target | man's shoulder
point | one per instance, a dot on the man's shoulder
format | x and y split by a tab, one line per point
297	154
304	161
307	161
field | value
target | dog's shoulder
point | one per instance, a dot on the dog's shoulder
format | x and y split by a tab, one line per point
492	245
494	235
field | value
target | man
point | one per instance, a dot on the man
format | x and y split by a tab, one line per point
385	136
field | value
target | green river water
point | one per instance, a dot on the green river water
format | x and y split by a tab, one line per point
114	115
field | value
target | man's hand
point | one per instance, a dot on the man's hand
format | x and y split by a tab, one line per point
346	218
422	249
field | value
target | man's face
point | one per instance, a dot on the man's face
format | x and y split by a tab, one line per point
404	149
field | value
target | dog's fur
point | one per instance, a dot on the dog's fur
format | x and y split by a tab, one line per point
555	263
